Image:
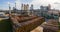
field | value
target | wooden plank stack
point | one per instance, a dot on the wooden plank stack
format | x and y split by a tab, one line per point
26	24
50	26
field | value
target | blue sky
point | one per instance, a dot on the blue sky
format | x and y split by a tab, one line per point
4	5
36	3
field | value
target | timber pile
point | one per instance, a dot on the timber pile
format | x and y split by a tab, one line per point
29	25
50	26
20	19
26	24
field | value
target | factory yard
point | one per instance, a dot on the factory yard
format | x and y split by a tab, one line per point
32	24
25	16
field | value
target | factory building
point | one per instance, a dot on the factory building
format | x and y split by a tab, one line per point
25	9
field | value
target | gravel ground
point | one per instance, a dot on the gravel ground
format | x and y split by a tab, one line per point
38	29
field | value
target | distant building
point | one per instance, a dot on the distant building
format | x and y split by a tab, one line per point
31	9
45	9
37	12
49	7
22	7
25	9
14	8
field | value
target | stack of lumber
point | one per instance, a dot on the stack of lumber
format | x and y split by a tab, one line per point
50	26
30	25
26	24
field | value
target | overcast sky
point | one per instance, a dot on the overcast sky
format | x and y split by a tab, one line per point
36	3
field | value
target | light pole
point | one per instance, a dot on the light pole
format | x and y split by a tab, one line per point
15	3
15	7
9	10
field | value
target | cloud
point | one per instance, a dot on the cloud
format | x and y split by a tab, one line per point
18	4
38	3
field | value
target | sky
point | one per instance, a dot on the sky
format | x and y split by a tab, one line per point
55	4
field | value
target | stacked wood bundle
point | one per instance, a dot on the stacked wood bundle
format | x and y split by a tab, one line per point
26	24
50	26
20	19
30	25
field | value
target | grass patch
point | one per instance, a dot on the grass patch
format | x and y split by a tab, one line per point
5	26
58	30
59	27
